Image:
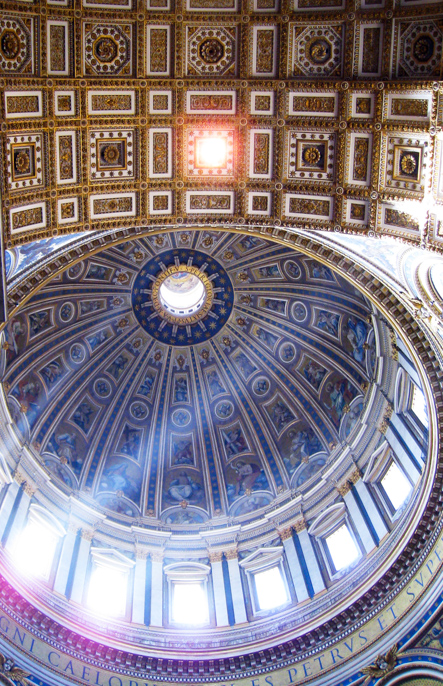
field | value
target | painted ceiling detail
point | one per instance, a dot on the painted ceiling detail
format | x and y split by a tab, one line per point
245	407
329	111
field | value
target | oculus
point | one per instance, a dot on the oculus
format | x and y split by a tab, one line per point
184	298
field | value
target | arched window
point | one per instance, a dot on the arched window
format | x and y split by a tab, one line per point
188	593
336	538
34	549
390	482
268	587
108	582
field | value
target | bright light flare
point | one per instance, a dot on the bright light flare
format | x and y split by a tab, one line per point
271	591
342	548
211	152
189	604
34	549
396	485
107	591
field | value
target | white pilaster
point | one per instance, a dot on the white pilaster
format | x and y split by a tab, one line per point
359	521
294	565
64	564
221	608
19	516
402	455
238	599
7	504
157	589
81	566
311	561
371	508
139	593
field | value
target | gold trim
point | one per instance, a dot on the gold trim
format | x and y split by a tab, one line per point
195	316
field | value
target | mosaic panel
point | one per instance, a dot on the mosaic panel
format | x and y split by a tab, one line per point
357	212
211	102
111	102
160	153
111	154
113	205
109	4
393	217
260	153
64	103
67	211
313	104
160	202
66	156
262	102
361	105
317	50
160	102
17	45
23	104
58	62
358	160
311	155
319	4
27	217
211	5
107	49
264	51
211	51
260	203
369	49
210	202
312	207
408	107
158	49
158	5
265	5
25	161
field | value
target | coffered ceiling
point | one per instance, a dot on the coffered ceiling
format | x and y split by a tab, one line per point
329	111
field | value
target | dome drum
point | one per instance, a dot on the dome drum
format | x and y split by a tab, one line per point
287	489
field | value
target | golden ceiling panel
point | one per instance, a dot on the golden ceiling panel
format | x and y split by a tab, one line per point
328	110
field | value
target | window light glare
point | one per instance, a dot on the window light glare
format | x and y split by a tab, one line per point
396	486
107	591
34	550
271	591
342	548
189	604
211	152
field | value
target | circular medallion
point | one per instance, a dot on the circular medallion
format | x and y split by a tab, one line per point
423	48
77	353
224	409
139	410
299	312
408	164
287	352
22	162
182	297
261	385
105	49
66	312
319	51
102	388
292	269
311	155
9	44
211	50
181	417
